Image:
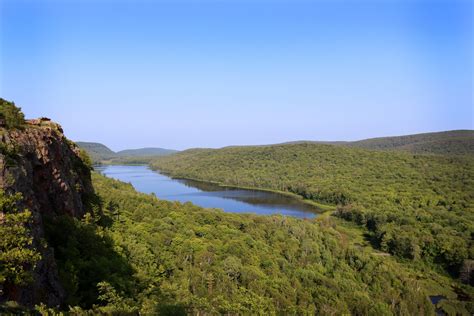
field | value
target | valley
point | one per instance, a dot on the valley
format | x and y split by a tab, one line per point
236	158
336	229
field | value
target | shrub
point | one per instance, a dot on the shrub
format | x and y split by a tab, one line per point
11	115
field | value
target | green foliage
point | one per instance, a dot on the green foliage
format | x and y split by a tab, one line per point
130	160
114	301
12	308
186	259
10	154
413	206
17	256
85	158
456	142
86	257
96	151
146	152
11	115
459	142
136	254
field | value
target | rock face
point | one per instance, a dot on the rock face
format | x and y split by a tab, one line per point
47	169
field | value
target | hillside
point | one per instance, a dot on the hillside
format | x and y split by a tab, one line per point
101	153
97	151
205	261
107	249
450	142
145	152
457	142
412	206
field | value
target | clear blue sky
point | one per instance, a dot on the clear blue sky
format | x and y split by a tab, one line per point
182	74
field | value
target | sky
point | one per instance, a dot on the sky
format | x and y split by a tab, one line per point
182	74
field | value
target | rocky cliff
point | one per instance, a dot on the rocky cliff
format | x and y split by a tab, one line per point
41	164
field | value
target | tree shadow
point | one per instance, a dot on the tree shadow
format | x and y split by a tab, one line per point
85	256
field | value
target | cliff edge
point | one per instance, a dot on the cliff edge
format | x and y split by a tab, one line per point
39	162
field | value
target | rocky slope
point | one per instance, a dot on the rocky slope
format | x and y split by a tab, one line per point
40	163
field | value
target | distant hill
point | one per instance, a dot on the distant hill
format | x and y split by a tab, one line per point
146	152
457	142
97	151
100	152
450	142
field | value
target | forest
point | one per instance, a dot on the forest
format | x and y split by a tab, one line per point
133	253
457	142
136	253
397	241
418	208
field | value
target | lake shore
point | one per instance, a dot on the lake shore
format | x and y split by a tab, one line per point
208	194
323	207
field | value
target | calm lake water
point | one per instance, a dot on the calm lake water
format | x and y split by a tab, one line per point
209	195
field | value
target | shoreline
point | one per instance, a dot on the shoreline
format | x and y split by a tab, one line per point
320	209
323	208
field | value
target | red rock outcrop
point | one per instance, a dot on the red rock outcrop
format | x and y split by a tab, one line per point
47	169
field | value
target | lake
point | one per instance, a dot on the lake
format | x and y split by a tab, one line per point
208	195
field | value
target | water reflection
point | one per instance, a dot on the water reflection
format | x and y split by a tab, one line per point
209	195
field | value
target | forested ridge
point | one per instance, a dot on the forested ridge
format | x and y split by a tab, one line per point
133	253
456	142
416	207
154	256
97	152
100	153
400	234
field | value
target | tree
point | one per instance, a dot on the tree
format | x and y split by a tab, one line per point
17	256
11	115
466	274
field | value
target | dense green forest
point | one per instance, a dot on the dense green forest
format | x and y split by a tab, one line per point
457	142
146	152
412	206
133	253
16	255
401	234
153	256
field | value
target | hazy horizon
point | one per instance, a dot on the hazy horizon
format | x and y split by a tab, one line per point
283	142
211	74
